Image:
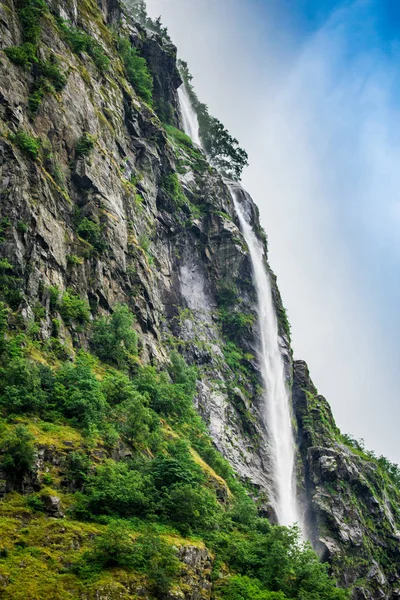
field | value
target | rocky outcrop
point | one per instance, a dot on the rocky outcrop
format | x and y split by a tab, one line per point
352	512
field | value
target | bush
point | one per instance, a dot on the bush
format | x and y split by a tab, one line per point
165	397
92	233
241	587
84	145
78	466
50	70
137	70
116	490
21	389
78	394
158	561
17	452
114	340
73	308
30	13
191	509
28	144
23	56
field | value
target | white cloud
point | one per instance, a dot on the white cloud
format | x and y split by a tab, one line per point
322	134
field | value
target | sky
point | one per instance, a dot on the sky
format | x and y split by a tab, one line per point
311	90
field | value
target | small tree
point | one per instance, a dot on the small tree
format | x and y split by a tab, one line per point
17	452
114	338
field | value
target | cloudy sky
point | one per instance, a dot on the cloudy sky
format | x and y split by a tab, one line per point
313	95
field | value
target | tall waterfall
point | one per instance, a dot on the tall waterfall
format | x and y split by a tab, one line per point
189	117
277	400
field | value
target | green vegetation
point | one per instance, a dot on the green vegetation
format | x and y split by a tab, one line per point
222	149
137	70
136	470
92	233
28	144
17	452
185	149
114	339
73	308
85	145
79	42
29	13
171	185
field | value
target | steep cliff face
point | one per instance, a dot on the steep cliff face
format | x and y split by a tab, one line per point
100	199
353	509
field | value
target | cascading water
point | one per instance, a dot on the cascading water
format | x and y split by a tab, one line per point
189	117
277	400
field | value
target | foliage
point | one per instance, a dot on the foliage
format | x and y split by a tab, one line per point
236	324
115	489
222	149
92	232
17	452
73	308
28	144
23	55
114	340
161	479
79	41
29	14
240	587
84	145
136	69
171	185
78	394
21	389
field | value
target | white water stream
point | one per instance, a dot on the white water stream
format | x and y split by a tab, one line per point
189	117
278	418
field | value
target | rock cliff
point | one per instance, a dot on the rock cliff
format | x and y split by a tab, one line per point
101	200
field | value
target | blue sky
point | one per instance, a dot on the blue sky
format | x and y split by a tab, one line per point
311	89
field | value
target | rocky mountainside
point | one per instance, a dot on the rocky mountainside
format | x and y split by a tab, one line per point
106	209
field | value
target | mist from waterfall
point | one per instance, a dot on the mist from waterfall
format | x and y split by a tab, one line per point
189	117
277	415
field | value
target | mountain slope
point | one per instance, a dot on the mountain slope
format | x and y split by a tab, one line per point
109	478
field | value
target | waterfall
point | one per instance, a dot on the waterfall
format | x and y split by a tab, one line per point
277	411
189	117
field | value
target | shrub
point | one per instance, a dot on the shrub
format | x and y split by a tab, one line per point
23	56
50	70
165	397
113	548
191	509
78	394
236	324
241	587
30	13
114	338
73	308
28	144
84	145
17	452
92	233
21	387
115	489
134	420
137	70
